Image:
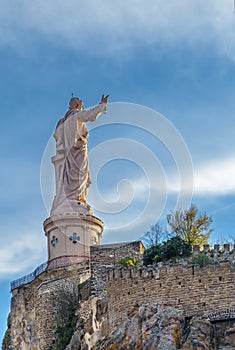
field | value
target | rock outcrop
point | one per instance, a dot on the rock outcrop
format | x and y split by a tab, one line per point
150	326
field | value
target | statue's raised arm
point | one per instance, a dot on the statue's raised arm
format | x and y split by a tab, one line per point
71	160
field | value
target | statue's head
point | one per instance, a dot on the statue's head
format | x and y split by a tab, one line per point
76	103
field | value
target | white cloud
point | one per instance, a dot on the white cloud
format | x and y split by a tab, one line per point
20	252
110	27
216	178
212	178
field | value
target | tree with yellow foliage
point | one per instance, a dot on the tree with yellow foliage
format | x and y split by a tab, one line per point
190	225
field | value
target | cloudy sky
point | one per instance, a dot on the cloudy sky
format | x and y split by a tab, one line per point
170	70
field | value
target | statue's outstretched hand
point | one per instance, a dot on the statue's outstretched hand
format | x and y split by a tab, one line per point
104	99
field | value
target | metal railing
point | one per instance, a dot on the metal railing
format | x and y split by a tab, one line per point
51	265
30	277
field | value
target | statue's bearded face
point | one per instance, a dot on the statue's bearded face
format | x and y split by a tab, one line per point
80	105
76	103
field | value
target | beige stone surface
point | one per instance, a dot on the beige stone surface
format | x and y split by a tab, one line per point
72	235
71	160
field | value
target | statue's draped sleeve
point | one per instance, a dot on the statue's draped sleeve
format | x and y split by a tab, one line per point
92	114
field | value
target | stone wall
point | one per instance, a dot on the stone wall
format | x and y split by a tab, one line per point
110	254
192	289
104	256
109	293
37	307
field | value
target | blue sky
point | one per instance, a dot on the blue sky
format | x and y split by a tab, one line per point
176	58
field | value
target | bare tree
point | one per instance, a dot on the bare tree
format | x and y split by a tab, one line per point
155	235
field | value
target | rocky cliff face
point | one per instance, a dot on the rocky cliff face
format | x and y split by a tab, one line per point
94	306
150	326
144	326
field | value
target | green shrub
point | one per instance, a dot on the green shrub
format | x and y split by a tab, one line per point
128	261
152	255
174	248
66	318
201	259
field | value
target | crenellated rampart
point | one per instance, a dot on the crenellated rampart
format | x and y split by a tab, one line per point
192	289
109	292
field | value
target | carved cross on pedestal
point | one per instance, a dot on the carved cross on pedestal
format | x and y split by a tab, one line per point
94	241
74	238
54	241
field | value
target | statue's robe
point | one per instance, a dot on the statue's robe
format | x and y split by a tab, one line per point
71	140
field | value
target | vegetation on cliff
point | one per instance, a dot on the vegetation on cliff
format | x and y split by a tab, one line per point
190	225
187	228
68	302
128	261
174	248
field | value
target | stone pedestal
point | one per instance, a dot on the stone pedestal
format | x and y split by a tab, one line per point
69	237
